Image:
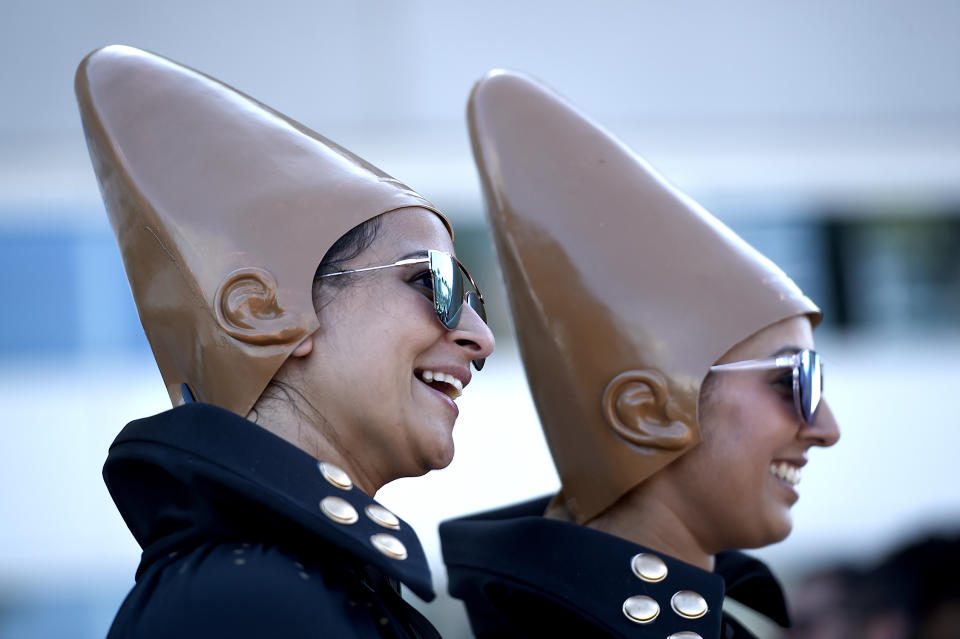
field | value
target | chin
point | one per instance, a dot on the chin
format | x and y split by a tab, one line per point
438	455
444	458
777	529
781	535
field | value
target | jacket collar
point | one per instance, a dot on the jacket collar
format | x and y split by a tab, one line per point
201	472
594	573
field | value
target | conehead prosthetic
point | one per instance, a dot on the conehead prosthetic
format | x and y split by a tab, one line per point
623	290
223	209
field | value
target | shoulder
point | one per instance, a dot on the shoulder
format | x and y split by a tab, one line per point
245	590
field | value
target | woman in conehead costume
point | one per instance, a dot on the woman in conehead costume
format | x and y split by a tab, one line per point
312	328
673	370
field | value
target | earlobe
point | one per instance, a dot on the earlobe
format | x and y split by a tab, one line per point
247	308
635	407
304	348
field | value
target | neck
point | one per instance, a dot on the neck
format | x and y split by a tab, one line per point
309	431
643	517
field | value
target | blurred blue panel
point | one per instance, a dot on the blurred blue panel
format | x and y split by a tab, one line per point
67	295
40	314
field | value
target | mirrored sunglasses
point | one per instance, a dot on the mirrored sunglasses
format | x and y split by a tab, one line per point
807	378
447	274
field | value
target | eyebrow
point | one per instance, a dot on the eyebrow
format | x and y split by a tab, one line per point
420	253
791	350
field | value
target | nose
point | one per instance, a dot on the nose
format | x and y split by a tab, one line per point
473	335
824	431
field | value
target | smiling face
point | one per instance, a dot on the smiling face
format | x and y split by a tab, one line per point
735	489
383	371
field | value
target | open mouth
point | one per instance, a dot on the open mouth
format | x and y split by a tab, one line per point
443	382
786	471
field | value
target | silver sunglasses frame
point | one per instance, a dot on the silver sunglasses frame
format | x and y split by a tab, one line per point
415	260
793	361
477	363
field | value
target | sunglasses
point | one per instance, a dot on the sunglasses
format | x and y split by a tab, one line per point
807	378
446	274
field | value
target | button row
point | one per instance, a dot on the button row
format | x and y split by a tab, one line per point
643	609
341	511
686	603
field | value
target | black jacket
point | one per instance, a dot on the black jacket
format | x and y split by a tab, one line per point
236	544
522	575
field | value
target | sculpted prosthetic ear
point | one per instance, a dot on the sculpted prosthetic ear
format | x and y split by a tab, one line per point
247	308
635	407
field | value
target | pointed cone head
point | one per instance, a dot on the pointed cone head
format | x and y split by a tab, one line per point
623	291
223	209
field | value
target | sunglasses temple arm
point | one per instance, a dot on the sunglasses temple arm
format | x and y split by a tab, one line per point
758	364
414	260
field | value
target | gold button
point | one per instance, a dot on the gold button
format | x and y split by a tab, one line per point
382	516
649	567
688	604
641	609
335	475
339	510
389	545
686	634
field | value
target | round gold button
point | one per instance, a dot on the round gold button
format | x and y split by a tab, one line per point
389	545
689	604
339	510
641	609
380	515
649	567
686	634
335	475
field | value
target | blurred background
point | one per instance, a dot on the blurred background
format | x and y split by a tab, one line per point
826	133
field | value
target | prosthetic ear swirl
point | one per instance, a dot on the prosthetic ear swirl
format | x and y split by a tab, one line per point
222	209
623	291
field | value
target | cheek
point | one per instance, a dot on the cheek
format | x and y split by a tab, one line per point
414	325
721	429
735	449
372	322
721	462
750	416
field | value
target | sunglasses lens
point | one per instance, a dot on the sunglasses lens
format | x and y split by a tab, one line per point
448	295
810	384
447	288
474	301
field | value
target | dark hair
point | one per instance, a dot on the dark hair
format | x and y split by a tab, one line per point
350	245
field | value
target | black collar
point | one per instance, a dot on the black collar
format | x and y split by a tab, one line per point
591	572
201	472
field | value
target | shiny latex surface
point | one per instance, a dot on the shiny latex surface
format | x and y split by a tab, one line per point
623	290
222	208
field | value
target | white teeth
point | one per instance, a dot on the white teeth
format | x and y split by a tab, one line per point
455	385
787	472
